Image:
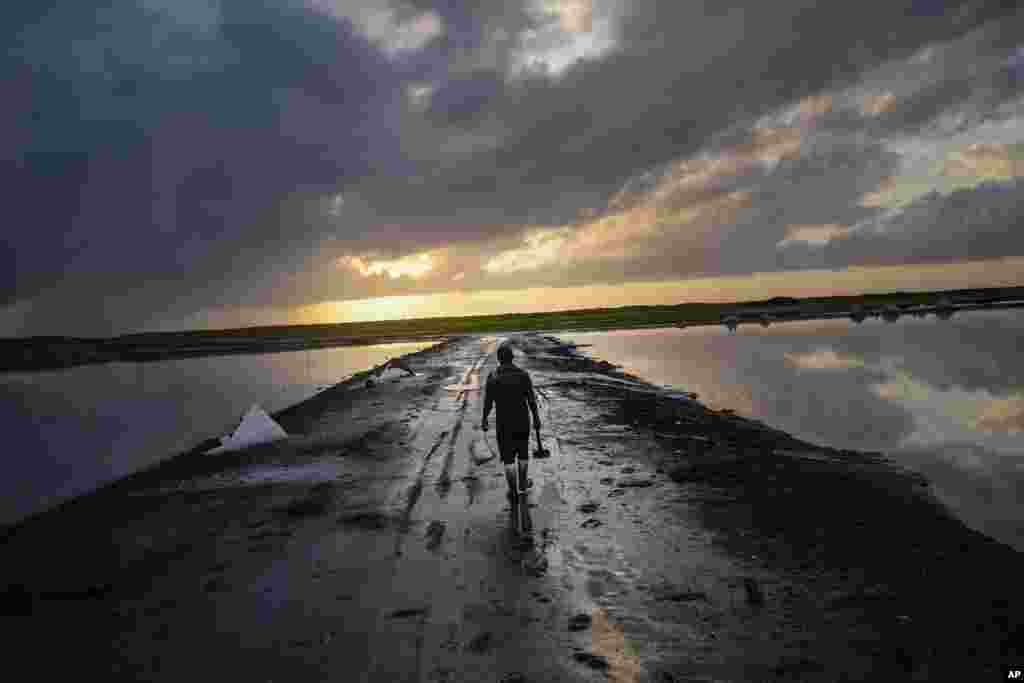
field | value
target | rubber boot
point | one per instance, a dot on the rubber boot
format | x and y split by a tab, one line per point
510	477
524	482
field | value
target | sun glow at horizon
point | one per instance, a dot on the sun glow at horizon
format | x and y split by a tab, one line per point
808	283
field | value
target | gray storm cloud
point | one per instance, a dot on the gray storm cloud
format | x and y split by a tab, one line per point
165	157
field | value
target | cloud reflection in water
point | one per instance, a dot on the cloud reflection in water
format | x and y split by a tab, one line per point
944	397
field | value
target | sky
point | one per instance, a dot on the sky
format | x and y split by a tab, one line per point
173	164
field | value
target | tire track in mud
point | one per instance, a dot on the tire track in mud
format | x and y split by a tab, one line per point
470	383
414	492
415	421
449	439
443	485
444	480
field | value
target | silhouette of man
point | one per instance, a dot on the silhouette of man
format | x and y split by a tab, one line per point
510	388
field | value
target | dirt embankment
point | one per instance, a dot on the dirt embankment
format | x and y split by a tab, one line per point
661	542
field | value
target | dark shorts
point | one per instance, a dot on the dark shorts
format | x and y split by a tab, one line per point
512	445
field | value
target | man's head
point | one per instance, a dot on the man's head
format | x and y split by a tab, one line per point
505	355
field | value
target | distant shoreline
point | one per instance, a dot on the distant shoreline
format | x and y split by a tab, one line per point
56	352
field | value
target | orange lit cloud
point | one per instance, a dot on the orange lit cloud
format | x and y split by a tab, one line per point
566	32
413	266
619	236
690	179
575	16
682	207
875	105
541	248
876	199
770	144
698	178
814	235
610	237
810	108
708	214
985	162
1003	415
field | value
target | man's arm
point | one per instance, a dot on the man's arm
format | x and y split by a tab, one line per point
531	400
488	402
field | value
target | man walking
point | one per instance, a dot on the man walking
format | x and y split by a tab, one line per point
510	388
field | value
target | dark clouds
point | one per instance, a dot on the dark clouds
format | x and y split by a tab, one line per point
164	156
463	100
159	149
968	224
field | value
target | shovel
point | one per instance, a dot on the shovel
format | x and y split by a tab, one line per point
540	451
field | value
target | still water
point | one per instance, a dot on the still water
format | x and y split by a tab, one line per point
67	431
943	397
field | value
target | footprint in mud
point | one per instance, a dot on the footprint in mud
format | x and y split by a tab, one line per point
269	533
443	485
602	582
595	588
367	520
682	596
316	502
580	622
473	487
591	660
263	547
480	643
536	565
215	584
635	483
435	534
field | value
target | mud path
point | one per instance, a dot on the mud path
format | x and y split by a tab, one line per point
377	544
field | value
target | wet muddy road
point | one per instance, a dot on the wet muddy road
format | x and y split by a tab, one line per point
377	544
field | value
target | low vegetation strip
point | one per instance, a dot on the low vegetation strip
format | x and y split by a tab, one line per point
37	353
